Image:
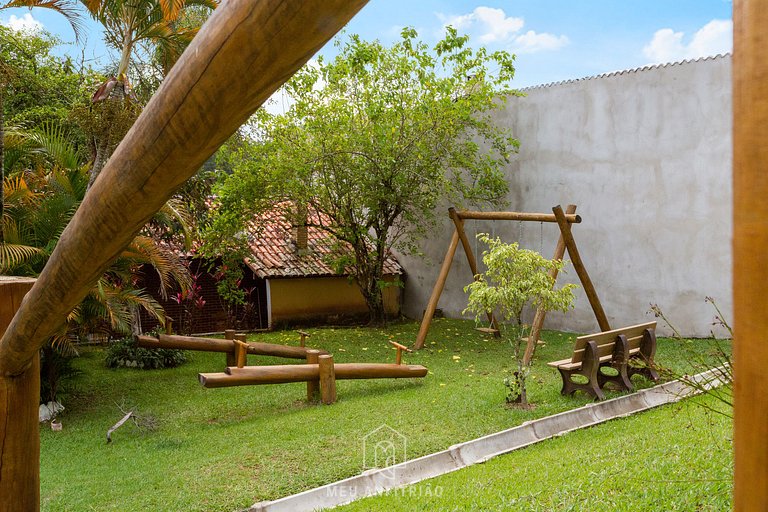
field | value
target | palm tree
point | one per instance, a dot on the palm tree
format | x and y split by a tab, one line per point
67	9
41	201
127	24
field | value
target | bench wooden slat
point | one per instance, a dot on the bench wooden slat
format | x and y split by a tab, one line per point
609	338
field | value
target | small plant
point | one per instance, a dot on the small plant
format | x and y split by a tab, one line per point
514	279
191	300
721	372
124	353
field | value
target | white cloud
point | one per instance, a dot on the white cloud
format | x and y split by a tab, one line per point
26	23
492	25
532	42
668	46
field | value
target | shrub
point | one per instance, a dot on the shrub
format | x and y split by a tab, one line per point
124	353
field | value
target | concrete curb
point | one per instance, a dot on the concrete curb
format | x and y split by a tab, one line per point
484	448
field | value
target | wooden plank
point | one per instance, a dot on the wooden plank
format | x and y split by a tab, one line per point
581	270
750	253
538	319
523	216
634	334
429	312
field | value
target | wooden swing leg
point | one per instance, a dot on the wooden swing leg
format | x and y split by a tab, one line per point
436	291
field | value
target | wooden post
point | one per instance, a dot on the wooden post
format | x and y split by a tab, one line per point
459	223
236	349
327	379
313	386
538	319
19	429
750	254
436	291
241	358
230	357
581	270
304	336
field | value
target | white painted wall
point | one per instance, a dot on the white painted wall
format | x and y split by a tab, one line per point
646	156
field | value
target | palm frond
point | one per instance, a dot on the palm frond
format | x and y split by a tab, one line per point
14	255
167	264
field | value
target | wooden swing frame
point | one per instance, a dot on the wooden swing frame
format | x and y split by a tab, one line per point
563	219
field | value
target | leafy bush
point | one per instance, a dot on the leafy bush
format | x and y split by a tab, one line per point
124	353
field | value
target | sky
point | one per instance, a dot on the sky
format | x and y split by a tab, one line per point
553	40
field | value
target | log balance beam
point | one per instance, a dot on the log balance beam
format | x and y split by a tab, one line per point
320	373
227	346
324	372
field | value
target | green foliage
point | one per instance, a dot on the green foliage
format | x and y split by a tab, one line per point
124	353
375	139
516	278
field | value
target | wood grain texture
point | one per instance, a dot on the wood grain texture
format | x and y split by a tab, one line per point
243	53
327	379
19	429
750	253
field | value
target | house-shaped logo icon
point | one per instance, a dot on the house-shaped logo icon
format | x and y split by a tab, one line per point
384	447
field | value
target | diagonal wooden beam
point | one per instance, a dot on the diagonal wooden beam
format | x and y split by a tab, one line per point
243	53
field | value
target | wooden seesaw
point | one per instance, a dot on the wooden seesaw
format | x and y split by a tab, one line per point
320	373
232	345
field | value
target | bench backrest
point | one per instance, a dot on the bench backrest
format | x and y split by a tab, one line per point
606	340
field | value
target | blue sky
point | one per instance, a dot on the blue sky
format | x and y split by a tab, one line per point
553	39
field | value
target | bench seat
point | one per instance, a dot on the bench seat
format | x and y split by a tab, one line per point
609	349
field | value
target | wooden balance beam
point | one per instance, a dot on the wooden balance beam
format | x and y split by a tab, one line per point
320	376
223	345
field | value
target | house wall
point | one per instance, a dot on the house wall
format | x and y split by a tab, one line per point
646	156
307	298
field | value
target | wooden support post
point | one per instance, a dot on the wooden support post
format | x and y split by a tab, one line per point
304	336
236	347
538	319
581	271
750	254
231	358
19	429
313	386
241	358
168	325
436	291
459	223
327	379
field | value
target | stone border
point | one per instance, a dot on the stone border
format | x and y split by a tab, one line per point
484	448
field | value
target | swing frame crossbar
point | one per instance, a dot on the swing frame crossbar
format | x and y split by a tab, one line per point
564	220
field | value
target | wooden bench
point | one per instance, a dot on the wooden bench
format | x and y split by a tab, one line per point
630	351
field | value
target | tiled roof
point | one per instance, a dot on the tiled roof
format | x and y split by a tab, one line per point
274	251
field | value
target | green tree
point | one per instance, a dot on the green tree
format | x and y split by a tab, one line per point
375	139
127	25
35	88
516	278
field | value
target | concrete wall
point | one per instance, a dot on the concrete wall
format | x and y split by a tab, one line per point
646	156
306	298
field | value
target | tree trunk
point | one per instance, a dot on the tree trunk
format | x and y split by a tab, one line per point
105	144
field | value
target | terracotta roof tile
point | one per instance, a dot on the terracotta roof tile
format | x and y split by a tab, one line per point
274	251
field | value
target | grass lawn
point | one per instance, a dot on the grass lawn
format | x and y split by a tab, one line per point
677	457
224	449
